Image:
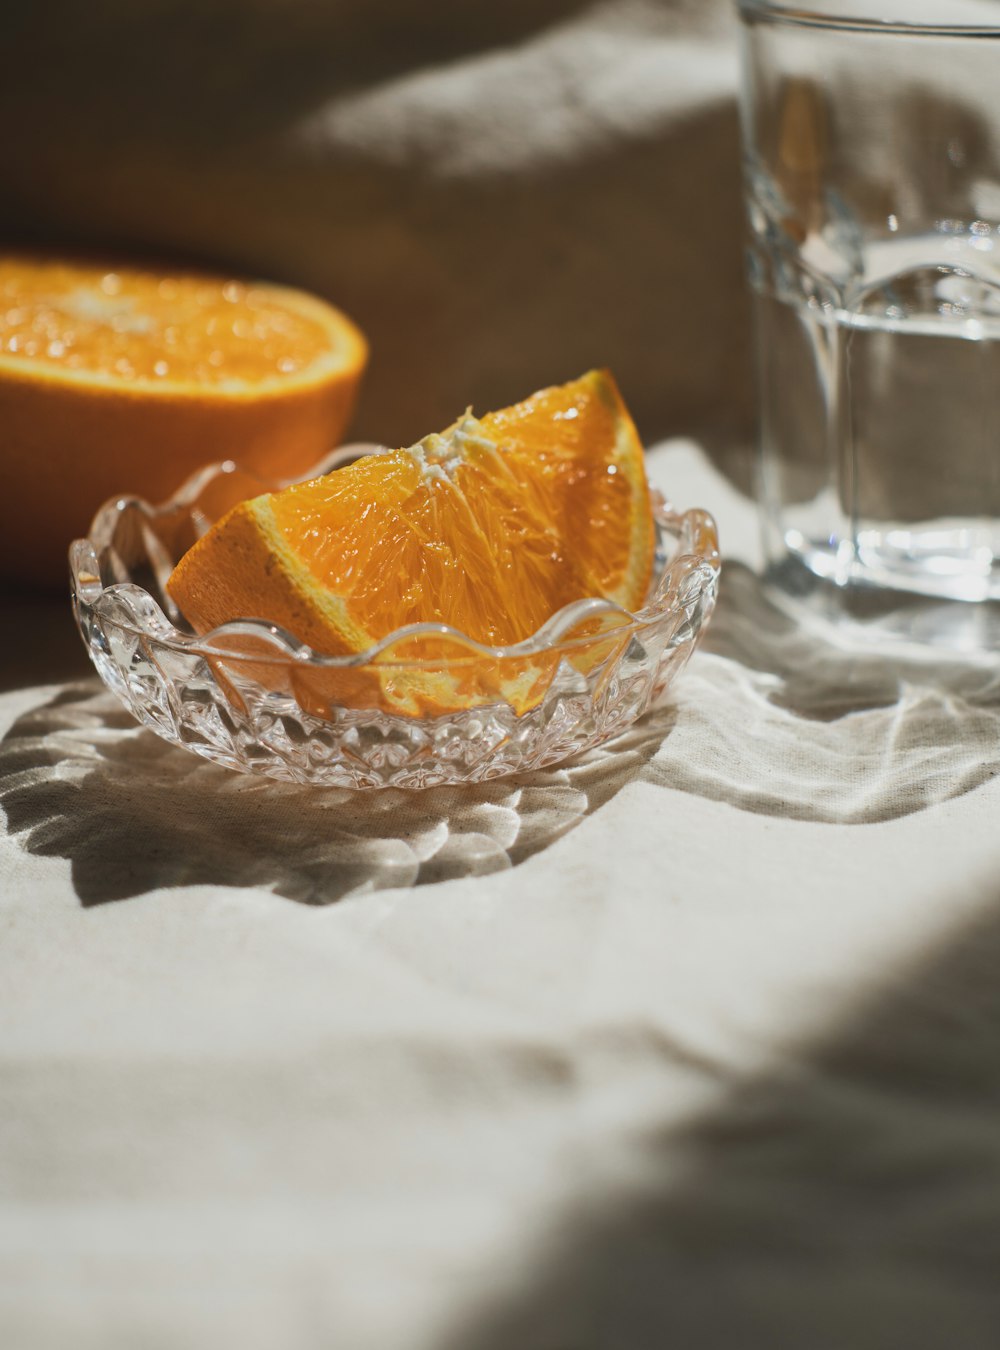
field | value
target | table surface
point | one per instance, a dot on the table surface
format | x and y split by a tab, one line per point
692	1041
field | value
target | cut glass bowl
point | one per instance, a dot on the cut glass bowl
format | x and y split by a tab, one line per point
252	697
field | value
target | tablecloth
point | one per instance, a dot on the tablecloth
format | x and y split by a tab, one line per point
691	1042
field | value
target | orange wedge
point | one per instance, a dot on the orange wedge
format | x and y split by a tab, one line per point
489	527
125	379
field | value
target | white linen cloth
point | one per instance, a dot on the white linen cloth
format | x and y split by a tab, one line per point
691	1043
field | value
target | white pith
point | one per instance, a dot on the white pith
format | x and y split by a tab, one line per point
438	455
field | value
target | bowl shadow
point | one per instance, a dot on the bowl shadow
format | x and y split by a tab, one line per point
80	780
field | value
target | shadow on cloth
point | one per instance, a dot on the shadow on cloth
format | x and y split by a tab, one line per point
847	1198
768	718
79	779
817	676
778	719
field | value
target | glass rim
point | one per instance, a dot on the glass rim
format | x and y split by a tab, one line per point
806	16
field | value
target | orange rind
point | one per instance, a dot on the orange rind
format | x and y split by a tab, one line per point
126	378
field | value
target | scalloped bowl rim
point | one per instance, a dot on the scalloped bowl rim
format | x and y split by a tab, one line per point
547	639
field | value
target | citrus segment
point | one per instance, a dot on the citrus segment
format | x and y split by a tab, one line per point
125	379
490	527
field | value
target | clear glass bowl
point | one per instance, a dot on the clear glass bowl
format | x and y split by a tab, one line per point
252	697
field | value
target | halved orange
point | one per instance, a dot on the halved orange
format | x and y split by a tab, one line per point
490	527
123	378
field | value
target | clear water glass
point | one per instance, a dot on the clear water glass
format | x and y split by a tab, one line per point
872	160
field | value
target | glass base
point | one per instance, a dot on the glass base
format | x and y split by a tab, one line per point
860	609
954	559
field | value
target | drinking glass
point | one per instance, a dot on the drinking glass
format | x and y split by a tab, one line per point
872	162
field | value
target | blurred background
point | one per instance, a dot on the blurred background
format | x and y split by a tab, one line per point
501	195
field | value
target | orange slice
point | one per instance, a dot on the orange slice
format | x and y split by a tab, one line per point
490	527
124	379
